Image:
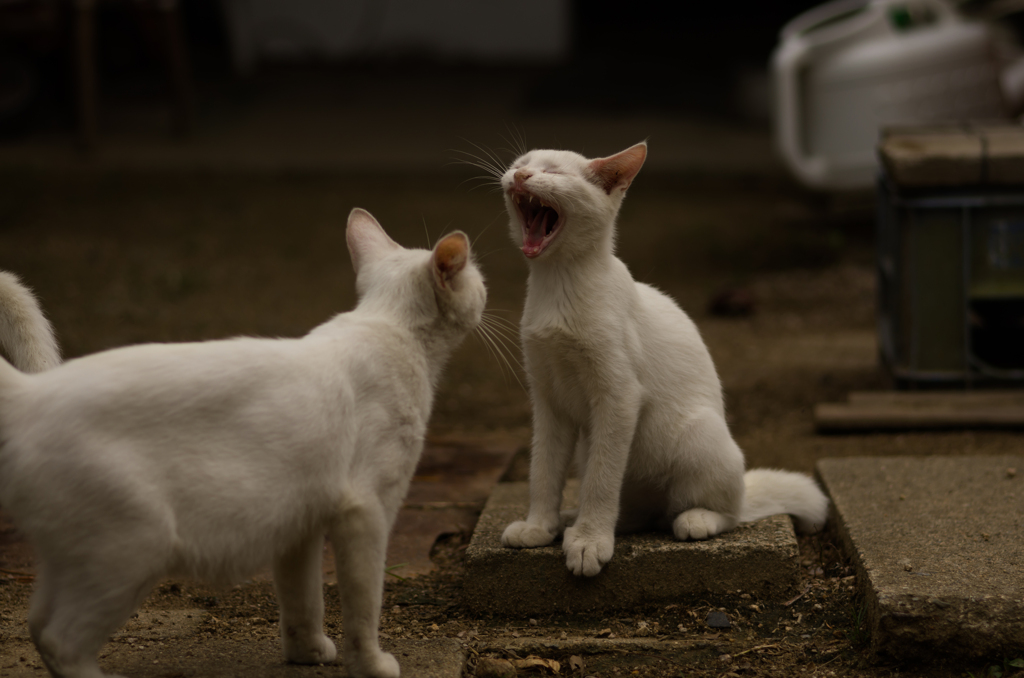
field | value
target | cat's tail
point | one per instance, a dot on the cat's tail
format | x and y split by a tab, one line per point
770	492
26	337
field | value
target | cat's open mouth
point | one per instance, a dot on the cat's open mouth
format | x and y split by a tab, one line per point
540	222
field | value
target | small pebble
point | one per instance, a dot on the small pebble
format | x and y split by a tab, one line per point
533	622
718	620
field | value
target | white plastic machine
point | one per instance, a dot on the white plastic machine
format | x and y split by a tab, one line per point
845	69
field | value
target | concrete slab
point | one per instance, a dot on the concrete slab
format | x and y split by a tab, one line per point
938	543
758	558
452	481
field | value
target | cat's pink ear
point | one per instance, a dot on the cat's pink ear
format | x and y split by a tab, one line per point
617	171
450	257
366	239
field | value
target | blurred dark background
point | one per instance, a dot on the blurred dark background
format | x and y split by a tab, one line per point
207	195
178	171
697	58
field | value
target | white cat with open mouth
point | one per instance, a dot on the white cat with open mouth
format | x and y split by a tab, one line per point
621	380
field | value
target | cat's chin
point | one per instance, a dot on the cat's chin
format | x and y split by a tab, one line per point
534	251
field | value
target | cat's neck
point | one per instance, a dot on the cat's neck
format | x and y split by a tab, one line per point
578	294
436	344
575	270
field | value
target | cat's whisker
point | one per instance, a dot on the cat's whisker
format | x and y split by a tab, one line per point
521	136
505	356
509	334
430	242
504	324
488	253
492	158
492	185
492	176
476	238
507	345
506	333
492	165
493	171
498	350
493	350
507	328
491	314
472	244
517	141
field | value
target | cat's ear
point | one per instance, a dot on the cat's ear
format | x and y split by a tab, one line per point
450	257
366	239
617	171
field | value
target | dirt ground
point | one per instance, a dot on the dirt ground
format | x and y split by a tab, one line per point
119	259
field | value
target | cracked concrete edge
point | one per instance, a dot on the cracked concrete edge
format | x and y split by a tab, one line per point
757	558
924	628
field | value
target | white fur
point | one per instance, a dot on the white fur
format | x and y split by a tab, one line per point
214	459
619	375
26	337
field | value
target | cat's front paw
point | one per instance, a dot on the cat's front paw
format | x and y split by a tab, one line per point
586	554
372	665
698	523
314	649
522	534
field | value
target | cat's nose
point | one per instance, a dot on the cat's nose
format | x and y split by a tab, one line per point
521	176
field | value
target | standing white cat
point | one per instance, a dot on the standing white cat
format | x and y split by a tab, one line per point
619	375
214	459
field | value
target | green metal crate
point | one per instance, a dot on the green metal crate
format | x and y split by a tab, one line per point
951	284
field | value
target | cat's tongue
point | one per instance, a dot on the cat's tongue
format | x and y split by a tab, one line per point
536	230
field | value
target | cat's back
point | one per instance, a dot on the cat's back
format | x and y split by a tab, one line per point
663	317
673	350
299	383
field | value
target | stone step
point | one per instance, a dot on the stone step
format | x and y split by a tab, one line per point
938	543
758	558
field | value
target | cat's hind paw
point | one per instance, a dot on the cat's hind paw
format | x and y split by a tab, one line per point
522	534
699	524
376	665
586	554
317	649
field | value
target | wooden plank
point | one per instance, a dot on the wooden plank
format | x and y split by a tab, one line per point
1005	153
954	156
902	410
957	399
939	159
